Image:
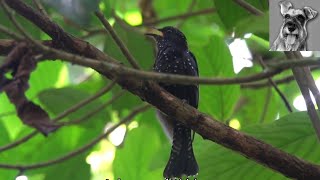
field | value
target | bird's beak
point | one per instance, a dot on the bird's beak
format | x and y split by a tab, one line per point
154	32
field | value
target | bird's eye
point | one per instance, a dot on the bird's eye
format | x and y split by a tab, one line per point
287	16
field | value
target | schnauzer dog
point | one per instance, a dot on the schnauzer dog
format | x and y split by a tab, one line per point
293	32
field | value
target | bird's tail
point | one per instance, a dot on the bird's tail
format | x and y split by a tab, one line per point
182	160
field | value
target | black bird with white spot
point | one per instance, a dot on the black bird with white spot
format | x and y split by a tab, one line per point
174	57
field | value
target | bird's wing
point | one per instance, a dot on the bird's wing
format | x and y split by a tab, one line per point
192	70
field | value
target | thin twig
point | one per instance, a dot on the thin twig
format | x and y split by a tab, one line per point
257	85
282	96
251	9
117	39
180	16
81	149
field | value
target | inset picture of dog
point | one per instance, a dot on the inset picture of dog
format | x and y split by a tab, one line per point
293	33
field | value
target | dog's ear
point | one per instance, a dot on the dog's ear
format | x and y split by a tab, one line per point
310	13
285	6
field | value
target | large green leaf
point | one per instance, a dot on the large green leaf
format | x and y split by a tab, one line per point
231	13
28	26
80	169
293	134
258	25
258	98
214	60
70	96
45	76
138	44
134	159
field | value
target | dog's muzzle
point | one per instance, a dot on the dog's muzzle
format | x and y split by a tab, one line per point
291	32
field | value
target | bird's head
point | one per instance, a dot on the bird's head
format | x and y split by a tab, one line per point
169	36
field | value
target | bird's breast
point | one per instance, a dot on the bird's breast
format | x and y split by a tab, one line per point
170	62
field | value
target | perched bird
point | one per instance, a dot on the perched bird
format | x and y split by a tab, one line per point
174	57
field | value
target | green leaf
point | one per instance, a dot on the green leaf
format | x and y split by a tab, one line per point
134	159
293	134
258	24
231	13
12	123
214	60
45	76
254	98
28	26
78	169
139	46
70	96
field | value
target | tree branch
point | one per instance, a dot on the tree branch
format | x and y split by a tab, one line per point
120	70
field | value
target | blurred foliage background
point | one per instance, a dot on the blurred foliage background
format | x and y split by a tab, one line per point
226	40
